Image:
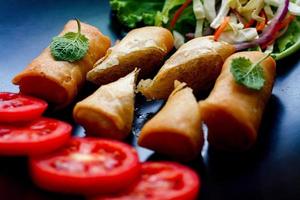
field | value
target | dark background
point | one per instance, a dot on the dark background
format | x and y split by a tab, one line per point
270	171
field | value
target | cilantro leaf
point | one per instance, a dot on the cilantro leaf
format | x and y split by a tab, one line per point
69	47
247	73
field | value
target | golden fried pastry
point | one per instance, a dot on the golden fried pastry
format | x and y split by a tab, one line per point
232	111
197	63
58	82
176	129
143	48
109	111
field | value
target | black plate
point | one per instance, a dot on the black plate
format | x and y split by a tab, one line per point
271	170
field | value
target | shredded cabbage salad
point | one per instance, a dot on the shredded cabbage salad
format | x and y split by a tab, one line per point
272	26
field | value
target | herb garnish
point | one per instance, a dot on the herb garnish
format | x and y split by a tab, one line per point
70	47
247	73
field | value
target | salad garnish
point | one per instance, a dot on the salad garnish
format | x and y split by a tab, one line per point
265	25
70	47
247	73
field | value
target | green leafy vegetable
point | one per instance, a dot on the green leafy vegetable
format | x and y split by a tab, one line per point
163	16
131	12
289	42
186	22
69	47
247	73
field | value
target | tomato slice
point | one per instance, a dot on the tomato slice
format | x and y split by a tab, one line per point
161	180
87	166
18	107
42	135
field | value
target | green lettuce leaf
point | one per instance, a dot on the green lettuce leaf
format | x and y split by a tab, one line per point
186	22
131	13
163	16
288	43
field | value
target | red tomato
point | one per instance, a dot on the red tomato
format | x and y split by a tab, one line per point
39	136
17	107
161	181
87	166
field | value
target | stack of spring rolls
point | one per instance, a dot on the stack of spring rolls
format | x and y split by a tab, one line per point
232	112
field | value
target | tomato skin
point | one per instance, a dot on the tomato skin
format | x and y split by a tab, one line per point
18	107
183	184
58	134
52	179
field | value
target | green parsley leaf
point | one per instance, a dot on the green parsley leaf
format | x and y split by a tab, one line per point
247	73
70	47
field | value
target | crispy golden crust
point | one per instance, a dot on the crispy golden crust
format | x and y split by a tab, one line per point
108	112
143	48
176	129
198	63
233	112
58	81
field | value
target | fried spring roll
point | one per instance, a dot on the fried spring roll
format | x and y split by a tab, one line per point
233	112
58	82
176	129
197	63
109	111
143	48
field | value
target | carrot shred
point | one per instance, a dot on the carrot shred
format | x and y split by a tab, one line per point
221	28
261	25
264	46
286	22
179	12
250	23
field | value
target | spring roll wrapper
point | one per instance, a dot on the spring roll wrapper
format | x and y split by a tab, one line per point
143	48
109	111
233	112
176	130
197	63
58	82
